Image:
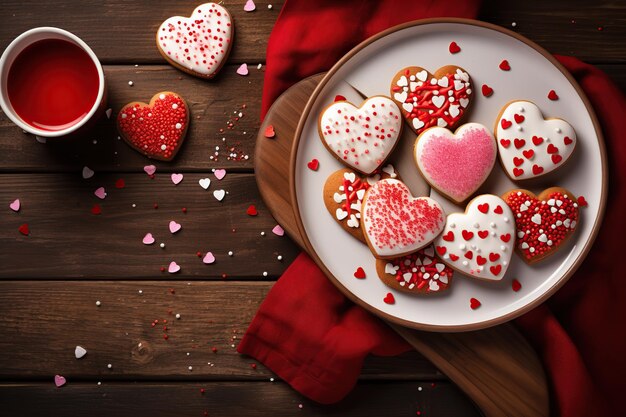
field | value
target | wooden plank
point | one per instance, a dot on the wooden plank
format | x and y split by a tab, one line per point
389	399
124	32
212	104
45	320
67	241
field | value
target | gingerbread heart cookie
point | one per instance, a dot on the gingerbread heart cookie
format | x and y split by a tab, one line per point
343	196
395	223
418	273
199	44
479	242
361	137
428	100
543	222
531	146
456	164
157	129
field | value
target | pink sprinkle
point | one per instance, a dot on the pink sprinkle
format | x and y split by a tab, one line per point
59	380
209	258
249	6
100	193
243	69
175	227
149	169
15	205
173	268
220	173
177	178
278	230
148	239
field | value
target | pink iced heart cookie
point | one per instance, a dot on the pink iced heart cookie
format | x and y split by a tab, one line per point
456	164
200	44
529	145
479	242
395	223
429	100
361	137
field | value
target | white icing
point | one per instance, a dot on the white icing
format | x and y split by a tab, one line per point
553	131
206	50
481	247
363	148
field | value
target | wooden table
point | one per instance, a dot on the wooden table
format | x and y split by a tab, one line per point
51	280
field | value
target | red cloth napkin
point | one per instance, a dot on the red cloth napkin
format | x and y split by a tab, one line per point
310	335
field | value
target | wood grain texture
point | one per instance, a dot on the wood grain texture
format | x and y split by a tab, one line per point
255	399
47	319
67	241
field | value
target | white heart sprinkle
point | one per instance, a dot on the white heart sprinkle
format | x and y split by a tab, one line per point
536	219
438	101
433	285
87	173
149	169
391	269
219	194
422	75
341	214
401	97
464	101
278	230
402	82
443	82
79	352
205	183
417	123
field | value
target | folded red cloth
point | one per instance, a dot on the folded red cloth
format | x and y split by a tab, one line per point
310	335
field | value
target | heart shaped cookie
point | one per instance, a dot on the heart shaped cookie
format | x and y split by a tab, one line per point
543	222
456	164
479	242
343	196
158	129
428	100
418	273
361	137
531	146
199	44
395	223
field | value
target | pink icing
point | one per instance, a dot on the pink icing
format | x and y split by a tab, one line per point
458	166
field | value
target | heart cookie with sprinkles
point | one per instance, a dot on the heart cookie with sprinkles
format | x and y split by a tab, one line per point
418	273
456	164
479	243
543	222
200	44
361	137
157	129
531	146
395	223
428	100
343	196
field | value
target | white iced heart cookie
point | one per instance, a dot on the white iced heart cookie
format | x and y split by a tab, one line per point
529	145
479	242
395	223
198	44
361	137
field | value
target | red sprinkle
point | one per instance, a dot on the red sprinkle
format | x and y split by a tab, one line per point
504	65
252	211
474	303
389	298
487	91
214	349
120	183
313	164
359	273
516	285
581	201
96	209
23	229
454	48
552	95
339	97
269	132
184	209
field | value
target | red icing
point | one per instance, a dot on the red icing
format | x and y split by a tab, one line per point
533	232
148	127
423	269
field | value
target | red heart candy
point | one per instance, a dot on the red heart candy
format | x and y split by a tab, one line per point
552	149
537	140
556	158
157	129
467	235
518	171
519	118
474	303
504	65
496	269
505	123
313	164
339	97
359	273
517	161
528	153
516	285
494	257
505	238
519	143
505	142
483	208
96	209
552	95
454	48
448	237
480	260
486	90
537	169
483	234
269	132
469	254
252	211
389	299
120	183
582	202
567	140
441	250
498	210
453	257
23	229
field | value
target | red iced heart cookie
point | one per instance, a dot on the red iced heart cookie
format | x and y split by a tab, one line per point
543	222
343	196
425	98
418	273
479	242
198	45
540	145
158	129
361	137
456	164
395	223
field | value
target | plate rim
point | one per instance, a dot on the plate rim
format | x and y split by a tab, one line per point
456	327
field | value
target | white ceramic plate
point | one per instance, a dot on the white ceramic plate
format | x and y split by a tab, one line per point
370	68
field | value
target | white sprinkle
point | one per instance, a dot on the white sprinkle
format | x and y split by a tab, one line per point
134	205
190	368
99	383
162	245
514	24
419	388
259	66
279	257
271	379
140	292
230	253
131	83
269	6
262	233
98	303
178	126
95	141
174	106
163	147
264	273
109	366
162	96
177	316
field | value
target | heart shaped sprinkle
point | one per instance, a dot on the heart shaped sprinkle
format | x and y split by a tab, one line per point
149	169
552	95
243	69
471	251
581	201
219	194
120	183
100	193
313	164
457	163
504	65
220	174
24	229
361	137
428	100
486	90
198	44
540	147
474	303
59	380
278	231
209	258
454	48
251	211
269	132
516	285
173	267
395	223
148	239
177	178
79	352
15	205
174	227
389	299
87	173
205	183
359	273
158	129
96	209
249	6
543	222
